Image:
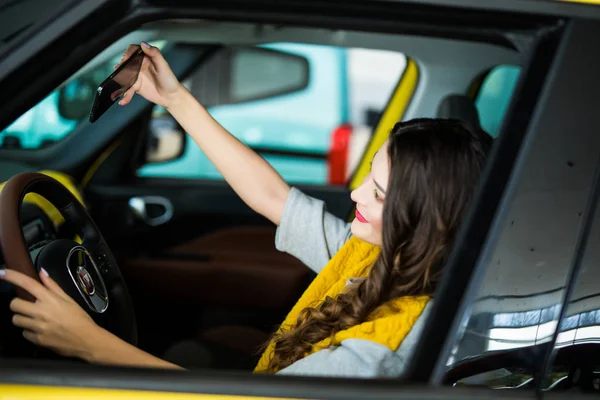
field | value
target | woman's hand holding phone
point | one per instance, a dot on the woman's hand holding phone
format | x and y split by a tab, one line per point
156	81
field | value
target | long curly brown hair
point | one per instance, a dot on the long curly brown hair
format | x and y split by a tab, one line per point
435	165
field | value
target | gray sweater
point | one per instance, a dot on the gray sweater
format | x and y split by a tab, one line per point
311	234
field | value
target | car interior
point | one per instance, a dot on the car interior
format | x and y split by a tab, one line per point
214	261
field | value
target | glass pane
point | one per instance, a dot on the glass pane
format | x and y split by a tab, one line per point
41	126
576	356
52	119
511	321
347	89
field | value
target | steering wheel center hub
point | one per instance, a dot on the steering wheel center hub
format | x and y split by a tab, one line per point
87	278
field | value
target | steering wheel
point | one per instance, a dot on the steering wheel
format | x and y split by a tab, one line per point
87	272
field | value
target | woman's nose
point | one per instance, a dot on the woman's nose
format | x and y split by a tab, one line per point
356	194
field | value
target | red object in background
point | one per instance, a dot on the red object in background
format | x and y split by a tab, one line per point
337	159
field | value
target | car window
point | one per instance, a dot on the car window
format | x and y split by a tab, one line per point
576	356
494	96
307	109
517	301
57	115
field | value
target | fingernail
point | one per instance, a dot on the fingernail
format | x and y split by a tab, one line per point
44	272
146	45
2	273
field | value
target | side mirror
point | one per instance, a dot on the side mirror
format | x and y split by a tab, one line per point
75	99
166	140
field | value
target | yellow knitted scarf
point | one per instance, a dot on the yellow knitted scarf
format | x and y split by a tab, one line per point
388	325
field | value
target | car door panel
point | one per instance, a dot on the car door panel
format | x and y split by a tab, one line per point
39	381
215	256
198	207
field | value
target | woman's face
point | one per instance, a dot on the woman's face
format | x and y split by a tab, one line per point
369	198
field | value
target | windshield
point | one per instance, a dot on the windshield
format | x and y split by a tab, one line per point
59	113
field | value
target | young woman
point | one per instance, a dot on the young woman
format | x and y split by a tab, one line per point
376	276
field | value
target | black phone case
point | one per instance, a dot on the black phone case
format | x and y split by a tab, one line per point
96	112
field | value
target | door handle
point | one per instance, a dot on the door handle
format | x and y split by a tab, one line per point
153	210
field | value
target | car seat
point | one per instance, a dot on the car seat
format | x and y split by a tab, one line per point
459	106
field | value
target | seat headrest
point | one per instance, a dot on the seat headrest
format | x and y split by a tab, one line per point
459	106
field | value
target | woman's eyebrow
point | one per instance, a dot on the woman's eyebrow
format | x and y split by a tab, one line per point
379	187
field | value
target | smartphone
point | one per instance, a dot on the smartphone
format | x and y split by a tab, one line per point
115	86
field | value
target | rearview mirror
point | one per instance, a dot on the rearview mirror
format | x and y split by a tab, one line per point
166	140
243	74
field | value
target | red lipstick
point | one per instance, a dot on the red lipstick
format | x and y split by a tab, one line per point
360	218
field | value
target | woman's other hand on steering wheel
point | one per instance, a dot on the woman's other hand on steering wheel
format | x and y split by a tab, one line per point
54	320
156	81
